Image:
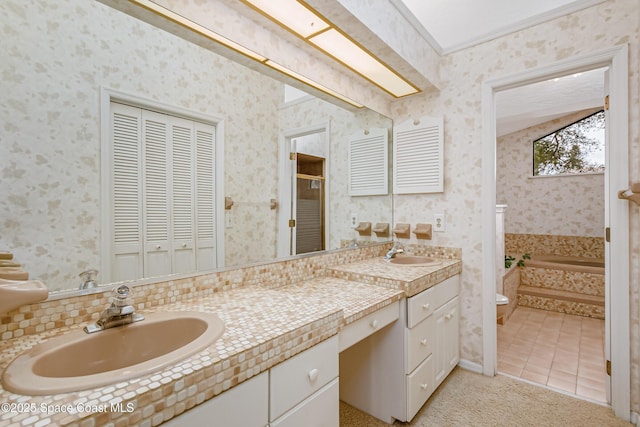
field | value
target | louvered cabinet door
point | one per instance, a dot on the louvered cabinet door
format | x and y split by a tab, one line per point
368	162
418	156
156	195
205	221
183	193
126	231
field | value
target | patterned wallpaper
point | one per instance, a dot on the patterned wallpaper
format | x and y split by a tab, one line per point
342	125
459	101
53	68
561	205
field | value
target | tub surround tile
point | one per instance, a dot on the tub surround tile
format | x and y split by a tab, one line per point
550	244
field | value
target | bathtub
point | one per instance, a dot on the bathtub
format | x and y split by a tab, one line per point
566	284
567	263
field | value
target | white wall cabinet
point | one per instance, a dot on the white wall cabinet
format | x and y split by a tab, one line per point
392	373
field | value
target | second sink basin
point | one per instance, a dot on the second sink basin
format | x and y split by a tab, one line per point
413	260
79	361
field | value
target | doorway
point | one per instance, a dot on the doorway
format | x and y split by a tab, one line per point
303	212
616	216
550	144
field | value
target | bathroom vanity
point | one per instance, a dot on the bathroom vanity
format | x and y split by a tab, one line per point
285	348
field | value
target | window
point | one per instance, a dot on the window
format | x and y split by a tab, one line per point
574	149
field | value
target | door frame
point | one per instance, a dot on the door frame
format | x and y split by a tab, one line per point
617	178
284	183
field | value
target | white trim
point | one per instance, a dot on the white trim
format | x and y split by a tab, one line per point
616	58
284	183
470	366
107	95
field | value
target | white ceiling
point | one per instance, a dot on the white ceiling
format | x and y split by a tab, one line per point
537	103
451	25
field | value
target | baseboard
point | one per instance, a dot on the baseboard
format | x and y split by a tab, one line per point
470	366
635	418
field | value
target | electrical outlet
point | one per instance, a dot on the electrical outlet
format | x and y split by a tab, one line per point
354	220
438	222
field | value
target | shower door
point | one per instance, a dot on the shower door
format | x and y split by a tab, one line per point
308	228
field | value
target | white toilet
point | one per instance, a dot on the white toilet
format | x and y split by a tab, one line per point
501	304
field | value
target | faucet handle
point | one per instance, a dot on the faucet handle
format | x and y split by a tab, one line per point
121	296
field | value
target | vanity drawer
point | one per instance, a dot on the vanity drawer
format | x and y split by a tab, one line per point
420	341
420	306
320	410
420	385
295	379
448	289
371	323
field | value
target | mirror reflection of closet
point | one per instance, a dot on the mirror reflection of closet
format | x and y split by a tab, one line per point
308	193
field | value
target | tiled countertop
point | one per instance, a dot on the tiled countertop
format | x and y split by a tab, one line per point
411	279
262	328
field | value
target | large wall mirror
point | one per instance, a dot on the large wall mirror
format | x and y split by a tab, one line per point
61	56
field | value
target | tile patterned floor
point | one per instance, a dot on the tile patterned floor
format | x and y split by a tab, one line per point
559	350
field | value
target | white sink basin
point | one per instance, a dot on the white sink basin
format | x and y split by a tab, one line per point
79	361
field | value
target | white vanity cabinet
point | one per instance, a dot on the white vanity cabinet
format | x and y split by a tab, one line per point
245	405
302	390
391	374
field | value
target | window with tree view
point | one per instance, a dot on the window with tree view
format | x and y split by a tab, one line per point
574	149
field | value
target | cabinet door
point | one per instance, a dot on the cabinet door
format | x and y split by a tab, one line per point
452	321
230	408
447	346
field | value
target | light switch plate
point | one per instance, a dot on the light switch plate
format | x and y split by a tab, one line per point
438	222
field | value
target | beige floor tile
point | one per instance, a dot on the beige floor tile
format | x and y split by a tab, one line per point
562	350
536	377
509	369
598	394
568	386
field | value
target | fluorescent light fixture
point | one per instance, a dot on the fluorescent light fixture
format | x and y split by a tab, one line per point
303	21
212	35
312	83
291	14
179	19
353	56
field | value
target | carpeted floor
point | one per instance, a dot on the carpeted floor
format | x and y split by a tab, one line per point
470	399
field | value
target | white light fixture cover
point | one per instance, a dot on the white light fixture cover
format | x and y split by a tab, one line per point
353	56
304	22
292	15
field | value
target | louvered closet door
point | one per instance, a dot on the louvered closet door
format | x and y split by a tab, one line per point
155	137
126	258
205	196
184	257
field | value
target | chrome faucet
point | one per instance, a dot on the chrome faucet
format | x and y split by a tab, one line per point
396	249
88	279
120	312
